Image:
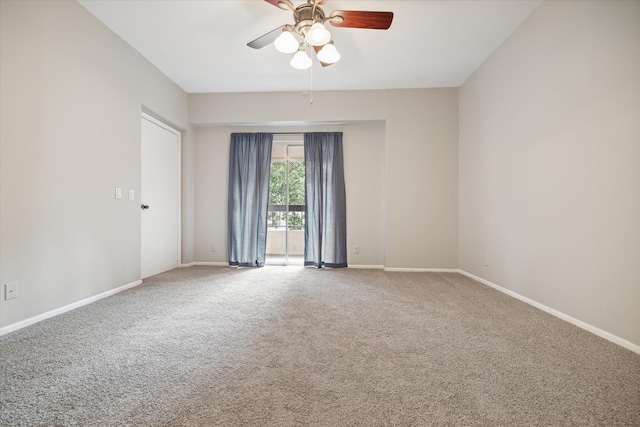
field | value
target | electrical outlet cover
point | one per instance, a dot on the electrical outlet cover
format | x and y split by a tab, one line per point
10	290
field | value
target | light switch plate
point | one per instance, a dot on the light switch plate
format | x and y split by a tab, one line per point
118	193
132	195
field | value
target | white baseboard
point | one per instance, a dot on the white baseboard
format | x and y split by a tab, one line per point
579	323
30	321
217	264
356	266
422	270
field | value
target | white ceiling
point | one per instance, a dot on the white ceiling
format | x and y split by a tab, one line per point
202	45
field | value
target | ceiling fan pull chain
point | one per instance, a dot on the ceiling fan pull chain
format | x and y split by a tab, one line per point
311	84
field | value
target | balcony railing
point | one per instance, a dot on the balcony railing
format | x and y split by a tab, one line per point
285	244
279	216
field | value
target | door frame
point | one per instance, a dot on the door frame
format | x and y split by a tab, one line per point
163	124
287	140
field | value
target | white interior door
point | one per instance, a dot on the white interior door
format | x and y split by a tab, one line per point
160	197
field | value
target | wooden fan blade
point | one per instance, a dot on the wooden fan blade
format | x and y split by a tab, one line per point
282	4
266	39
361	19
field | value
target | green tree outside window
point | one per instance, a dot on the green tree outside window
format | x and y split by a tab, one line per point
278	193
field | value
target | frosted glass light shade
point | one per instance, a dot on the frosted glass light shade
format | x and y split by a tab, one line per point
286	43
329	54
317	35
301	60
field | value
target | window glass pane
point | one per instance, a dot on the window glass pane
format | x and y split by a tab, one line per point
285	217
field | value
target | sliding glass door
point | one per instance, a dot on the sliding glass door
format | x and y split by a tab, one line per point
285	217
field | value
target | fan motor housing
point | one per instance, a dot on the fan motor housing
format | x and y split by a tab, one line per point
305	16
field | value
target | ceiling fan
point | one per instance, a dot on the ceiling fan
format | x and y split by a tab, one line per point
308	30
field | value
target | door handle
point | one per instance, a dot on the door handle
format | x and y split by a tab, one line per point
143	207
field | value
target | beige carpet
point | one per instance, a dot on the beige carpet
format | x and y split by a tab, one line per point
283	346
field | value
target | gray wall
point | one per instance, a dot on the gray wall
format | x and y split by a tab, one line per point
550	164
364	181
72	94
400	160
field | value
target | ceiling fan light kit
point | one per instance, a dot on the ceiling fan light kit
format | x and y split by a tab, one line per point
328	54
286	42
301	60
309	27
317	35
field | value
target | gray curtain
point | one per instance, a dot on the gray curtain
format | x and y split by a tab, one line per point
249	164
325	202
